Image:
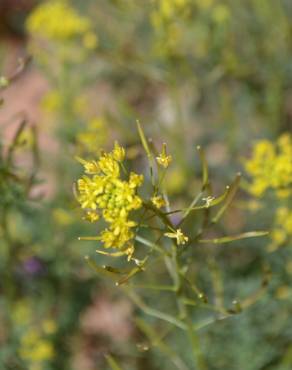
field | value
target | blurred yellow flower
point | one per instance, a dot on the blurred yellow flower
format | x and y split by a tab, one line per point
57	20
282	228
158	201
118	152
271	167
52	101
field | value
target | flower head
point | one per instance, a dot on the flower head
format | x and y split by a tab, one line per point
179	236
158	201
270	166
163	159
57	20
104	194
118	153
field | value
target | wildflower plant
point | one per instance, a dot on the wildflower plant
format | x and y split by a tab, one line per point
142	226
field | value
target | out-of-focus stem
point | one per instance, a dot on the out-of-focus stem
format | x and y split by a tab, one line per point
183	312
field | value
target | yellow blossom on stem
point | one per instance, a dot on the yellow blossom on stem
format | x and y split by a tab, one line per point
163	159
179	236
118	153
158	201
92	216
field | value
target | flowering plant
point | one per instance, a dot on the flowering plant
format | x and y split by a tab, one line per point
134	220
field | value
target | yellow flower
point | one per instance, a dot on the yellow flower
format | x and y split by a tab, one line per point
158	201
271	167
135	180
57	20
118	153
91	216
90	167
179	236
106	193
118	234
109	166
88	191
163	159
282	228
52	101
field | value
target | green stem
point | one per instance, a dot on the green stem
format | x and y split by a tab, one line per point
184	314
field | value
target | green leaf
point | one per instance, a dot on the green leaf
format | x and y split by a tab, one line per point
228	239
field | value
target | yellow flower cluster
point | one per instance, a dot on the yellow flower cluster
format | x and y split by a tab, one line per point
57	20
102	192
283	227
35	347
271	166
164	159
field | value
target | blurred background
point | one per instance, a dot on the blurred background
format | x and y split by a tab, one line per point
75	76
